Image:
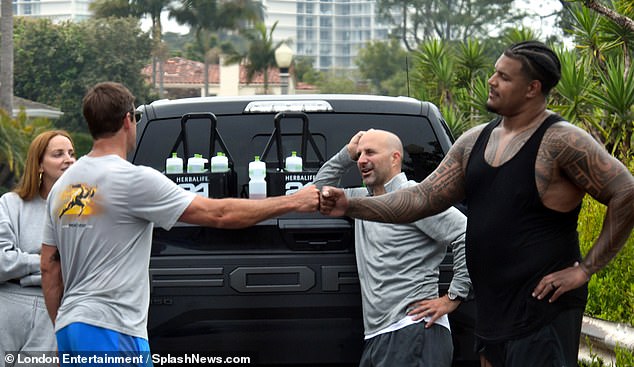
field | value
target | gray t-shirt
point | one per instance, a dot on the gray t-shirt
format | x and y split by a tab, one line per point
100	216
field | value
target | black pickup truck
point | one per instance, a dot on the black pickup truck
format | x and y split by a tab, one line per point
286	291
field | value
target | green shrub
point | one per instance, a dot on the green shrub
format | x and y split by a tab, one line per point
624	357
595	362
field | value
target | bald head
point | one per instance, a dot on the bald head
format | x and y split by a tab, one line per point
389	140
380	156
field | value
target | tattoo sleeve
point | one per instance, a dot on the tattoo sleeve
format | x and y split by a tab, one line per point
441	189
592	168
617	224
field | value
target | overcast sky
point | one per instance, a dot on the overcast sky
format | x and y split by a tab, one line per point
540	20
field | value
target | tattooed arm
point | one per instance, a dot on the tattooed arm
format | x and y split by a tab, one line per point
590	167
441	189
586	167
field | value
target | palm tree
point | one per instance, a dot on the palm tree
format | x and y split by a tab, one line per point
597	90
434	71
154	8
6	58
260	53
571	94
136	9
473	70
209	17
614	96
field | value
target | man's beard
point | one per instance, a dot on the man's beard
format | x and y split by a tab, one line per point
490	108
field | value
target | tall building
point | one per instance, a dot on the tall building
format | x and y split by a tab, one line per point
56	10
331	32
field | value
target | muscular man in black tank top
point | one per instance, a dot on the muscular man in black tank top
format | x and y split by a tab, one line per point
523	177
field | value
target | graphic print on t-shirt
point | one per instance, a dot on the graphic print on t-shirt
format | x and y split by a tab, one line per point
77	199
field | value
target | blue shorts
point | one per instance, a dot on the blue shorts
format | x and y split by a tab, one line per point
81	344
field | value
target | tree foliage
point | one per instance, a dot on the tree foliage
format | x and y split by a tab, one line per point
259	54
418	20
56	64
137	9
304	70
453	75
616	15
113	8
15	137
384	65
597	86
596	90
333	82
209	18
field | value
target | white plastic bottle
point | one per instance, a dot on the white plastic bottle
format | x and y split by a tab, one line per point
219	163
293	163
174	164
257	174
196	164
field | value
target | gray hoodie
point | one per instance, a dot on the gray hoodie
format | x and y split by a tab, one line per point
21	225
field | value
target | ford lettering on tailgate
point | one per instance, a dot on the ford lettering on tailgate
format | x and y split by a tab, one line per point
245	279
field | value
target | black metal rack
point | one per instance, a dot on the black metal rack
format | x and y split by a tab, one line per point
220	184
307	137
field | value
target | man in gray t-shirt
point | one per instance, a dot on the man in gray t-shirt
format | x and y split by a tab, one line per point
102	228
98	232
405	321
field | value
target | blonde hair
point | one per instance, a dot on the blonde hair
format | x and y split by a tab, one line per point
29	185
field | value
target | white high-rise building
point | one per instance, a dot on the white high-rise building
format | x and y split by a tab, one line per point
56	10
331	32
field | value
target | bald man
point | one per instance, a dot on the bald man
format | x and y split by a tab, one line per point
523	175
405	321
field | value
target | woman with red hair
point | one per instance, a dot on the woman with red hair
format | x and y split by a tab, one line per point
24	322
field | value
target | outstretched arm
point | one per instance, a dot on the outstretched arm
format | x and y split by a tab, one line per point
240	213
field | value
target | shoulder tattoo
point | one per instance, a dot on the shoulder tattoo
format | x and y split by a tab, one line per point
586	163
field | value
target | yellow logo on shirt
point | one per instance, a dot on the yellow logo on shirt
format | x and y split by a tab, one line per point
77	200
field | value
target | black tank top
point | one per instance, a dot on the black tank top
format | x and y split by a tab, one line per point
513	240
